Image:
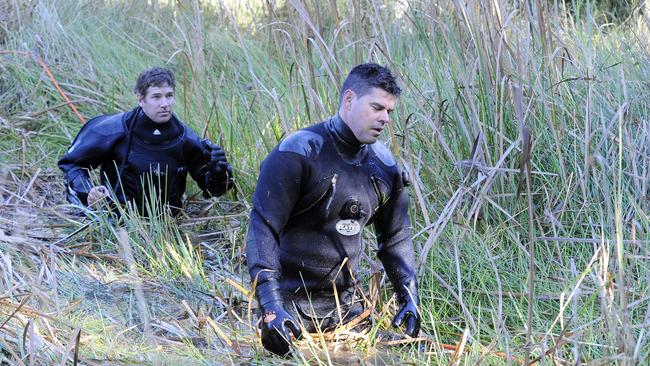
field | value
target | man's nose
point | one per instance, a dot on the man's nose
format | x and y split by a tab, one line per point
385	117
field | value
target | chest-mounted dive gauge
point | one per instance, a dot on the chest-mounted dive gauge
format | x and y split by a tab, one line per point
352	210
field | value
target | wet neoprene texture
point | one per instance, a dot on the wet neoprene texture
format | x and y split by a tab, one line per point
159	157
153	133
314	188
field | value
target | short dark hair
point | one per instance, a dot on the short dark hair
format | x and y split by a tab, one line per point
370	75
155	76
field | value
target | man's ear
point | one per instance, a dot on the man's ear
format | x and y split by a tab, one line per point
348	97
140	99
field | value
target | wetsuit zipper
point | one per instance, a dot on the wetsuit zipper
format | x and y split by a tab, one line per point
330	191
380	198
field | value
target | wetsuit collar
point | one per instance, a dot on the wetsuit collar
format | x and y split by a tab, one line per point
346	144
151	132
344	134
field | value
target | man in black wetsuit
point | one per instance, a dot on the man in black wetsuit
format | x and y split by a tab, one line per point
316	191
146	149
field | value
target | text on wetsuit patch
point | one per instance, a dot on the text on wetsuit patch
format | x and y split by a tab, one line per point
348	227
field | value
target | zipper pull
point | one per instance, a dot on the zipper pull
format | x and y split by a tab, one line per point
332	192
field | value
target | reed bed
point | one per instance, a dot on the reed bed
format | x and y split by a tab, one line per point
523	126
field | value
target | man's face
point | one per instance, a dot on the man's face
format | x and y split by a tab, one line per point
367	115
157	103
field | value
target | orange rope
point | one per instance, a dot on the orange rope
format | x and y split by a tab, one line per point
49	74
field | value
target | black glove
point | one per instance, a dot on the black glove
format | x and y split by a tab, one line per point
276	322
216	159
407	296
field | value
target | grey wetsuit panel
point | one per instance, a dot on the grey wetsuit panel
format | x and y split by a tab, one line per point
305	143
383	153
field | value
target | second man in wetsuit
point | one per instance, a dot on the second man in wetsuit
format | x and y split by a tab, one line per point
144	153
